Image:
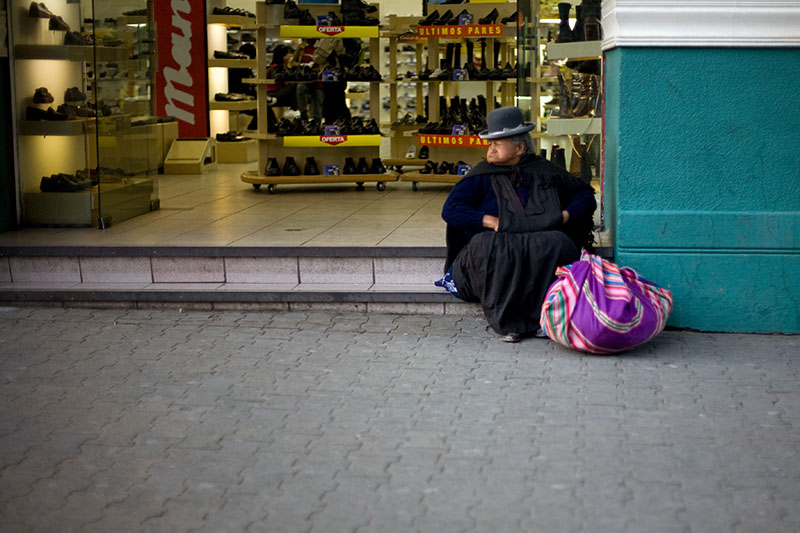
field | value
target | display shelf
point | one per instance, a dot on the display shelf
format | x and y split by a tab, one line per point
257	180
243	105
261	136
330	141
574	126
402	161
576	51
231	63
61	52
138	20
315	32
236	21
54	127
415	178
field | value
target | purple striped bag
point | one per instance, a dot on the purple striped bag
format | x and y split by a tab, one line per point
597	307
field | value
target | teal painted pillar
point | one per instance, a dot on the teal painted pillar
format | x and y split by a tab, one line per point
702	166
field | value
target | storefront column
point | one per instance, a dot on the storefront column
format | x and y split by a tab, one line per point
702	166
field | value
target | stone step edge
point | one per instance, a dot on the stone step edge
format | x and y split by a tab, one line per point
436	302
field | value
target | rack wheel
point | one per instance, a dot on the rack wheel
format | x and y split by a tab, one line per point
414	185
381	185
271	188
256	186
359	185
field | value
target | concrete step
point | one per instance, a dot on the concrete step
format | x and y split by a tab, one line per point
367	279
353	278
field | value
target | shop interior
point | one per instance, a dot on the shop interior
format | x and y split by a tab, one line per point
316	137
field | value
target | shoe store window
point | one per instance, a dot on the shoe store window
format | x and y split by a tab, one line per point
88	145
559	42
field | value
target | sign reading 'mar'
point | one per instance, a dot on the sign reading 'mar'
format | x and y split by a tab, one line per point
181	84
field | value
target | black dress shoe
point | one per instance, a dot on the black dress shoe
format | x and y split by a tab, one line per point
513	17
423	152
311	168
363	166
377	166
430	19
445	19
290	168
349	166
272	167
39	11
490	18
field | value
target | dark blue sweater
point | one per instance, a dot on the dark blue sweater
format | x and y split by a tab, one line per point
473	197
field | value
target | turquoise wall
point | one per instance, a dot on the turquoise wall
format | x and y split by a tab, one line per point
702	180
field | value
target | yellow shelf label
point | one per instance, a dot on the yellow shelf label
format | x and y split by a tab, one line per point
465	141
464	30
328	141
329	31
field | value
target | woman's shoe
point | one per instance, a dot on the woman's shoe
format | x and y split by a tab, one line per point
509	337
491	18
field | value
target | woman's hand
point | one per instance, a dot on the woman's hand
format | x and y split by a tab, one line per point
491	222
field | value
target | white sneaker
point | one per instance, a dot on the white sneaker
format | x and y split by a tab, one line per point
412	151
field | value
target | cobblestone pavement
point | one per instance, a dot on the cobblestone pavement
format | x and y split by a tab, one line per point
168	421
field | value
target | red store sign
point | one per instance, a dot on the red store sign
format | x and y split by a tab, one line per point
181	83
466	141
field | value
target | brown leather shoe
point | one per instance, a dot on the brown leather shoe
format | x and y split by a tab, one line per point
509	337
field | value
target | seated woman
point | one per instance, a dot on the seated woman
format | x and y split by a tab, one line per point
510	222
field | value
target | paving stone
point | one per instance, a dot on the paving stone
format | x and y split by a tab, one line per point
160	420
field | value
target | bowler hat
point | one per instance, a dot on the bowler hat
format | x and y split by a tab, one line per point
505	122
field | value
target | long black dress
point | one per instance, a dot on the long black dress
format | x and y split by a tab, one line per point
509	271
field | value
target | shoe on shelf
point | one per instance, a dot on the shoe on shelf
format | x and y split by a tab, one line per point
377	166
58	24
291	11
412	152
349	166
311	168
424	152
363	167
513	17
39	11
306	18
73	38
52	114
42	96
429	168
358	4
230	136
272	167
290	168
73	95
490	18
431	19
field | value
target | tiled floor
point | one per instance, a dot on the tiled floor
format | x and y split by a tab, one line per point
218	209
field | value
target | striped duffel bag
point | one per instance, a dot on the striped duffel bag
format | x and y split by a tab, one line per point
597	307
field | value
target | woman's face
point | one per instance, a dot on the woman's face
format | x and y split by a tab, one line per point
503	152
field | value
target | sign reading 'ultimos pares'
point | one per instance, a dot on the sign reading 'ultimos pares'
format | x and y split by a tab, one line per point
181	82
